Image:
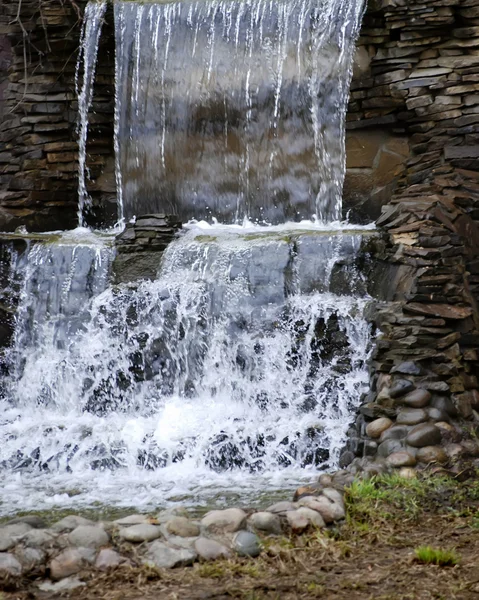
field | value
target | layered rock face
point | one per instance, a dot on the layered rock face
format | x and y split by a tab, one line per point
38	140
423	81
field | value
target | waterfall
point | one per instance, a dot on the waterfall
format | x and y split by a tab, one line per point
241	364
87	57
229	109
247	355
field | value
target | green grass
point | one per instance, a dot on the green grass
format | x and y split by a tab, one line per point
435	556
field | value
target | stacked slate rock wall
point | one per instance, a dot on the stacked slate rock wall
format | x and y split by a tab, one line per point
38	141
423	81
139	247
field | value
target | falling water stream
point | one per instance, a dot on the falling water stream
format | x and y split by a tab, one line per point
239	367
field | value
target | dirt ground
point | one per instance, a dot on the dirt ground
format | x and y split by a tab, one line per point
371	556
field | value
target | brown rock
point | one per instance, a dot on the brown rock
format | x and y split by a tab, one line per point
376	428
432	454
417	399
401	459
424	434
411	416
67	563
445	311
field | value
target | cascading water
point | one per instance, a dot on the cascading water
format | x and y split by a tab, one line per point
240	366
87	57
246	355
234	108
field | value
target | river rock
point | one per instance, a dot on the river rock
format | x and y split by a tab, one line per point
397	432
424	434
390	446
16	530
247	544
37	538
435	414
334	496
144	532
430	454
281	508
266	522
411	416
342	479
70	523
6	542
400	387
313	517
108	558
417	399
161	555
32	520
9	564
297	521
407	473
229	520
176	511
30	557
69	562
210	549
329	511
376	428
88	536
182	527
65	585
401	459
407	368
133	520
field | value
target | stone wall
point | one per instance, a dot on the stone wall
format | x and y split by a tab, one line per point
38	148
423	82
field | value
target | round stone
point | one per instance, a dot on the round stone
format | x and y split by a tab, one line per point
36	538
400	387
390	446
329	510
247	544
229	520
417	398
401	459
132	520
108	558
313	516
376	428
297	521
88	536
281	508
398	432
143	532
445	404
435	414
407	473
266	522
161	555
70	523
411	416
432	454
69	562
9	564
182	527
210	549
424	434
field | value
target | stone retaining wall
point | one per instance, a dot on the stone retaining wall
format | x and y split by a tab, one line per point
38	140
423	81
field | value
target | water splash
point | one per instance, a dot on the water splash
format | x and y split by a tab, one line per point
241	358
87	58
232	109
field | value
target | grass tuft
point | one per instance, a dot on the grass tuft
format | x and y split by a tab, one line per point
435	556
